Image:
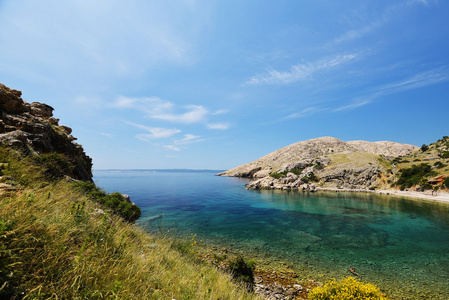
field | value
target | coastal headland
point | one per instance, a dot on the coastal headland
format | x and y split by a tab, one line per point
329	164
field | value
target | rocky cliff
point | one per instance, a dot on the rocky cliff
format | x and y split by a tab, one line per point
32	128
326	161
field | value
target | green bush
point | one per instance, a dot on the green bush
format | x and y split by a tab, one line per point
424	148
439	165
278	175
55	165
414	175
310	178
444	154
242	270
115	201
446	183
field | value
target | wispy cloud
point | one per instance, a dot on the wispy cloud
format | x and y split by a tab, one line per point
218	126
188	139
416	81
358	33
301	71
150	105
172	147
353	105
220	112
195	113
305	112
106	134
159	109
419	80
390	13
154	132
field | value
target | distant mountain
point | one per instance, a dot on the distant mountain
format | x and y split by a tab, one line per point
281	159
328	163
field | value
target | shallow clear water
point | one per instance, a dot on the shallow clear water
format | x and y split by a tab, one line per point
399	244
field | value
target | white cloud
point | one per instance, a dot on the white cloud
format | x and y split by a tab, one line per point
419	80
220	112
218	126
150	105
300	71
154	132
305	112
353	105
106	134
358	33
390	13
195	114
171	147
189	139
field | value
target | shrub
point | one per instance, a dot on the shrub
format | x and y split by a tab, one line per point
414	175
425	185
55	165
278	175
424	148
444	154
312	177
115	201
348	288
242	270
439	165
446	183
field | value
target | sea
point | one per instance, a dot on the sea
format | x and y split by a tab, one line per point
399	244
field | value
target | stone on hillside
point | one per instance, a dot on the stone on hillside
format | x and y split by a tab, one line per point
41	110
10	101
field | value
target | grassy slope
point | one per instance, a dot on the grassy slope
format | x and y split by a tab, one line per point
432	157
52	246
390	169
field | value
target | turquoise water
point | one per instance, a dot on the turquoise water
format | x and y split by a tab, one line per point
399	244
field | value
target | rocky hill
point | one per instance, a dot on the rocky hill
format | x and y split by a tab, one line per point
326	162
32	128
288	157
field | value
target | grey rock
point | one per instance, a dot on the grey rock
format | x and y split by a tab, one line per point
31	128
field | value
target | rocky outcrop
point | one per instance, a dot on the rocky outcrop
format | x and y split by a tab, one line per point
295	153
323	162
289	182
287	157
384	148
32	128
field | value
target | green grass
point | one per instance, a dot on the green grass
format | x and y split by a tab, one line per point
283	174
114	202
414	175
55	245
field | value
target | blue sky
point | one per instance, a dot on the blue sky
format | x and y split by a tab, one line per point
216	84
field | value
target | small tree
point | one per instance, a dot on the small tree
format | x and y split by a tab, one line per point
446	183
424	148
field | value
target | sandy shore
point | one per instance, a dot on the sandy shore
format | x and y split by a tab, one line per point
427	195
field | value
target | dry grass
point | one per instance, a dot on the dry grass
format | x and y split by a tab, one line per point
53	246
356	160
